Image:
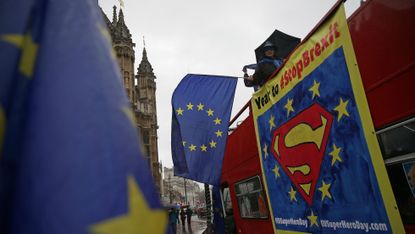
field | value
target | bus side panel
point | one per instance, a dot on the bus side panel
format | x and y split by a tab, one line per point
383	39
241	145
241	161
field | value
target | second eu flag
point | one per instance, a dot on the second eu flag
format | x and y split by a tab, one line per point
202	107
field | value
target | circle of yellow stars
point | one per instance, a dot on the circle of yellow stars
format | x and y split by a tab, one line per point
335	152
216	121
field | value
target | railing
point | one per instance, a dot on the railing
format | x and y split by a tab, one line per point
239	113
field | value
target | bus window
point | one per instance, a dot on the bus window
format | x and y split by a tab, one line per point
398	140
398	149
227	200
230	227
251	199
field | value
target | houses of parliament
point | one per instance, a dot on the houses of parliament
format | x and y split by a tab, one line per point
140	88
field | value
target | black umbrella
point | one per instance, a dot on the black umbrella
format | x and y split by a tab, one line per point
284	43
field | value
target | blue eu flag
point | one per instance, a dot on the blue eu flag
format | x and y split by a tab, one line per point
70	159
202	107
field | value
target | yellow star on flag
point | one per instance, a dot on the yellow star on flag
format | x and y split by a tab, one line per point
210	112
276	171
313	219
200	107
271	122
14	39
342	109
104	32
289	106
29	51
130	115
217	121
335	153
190	106
324	189
218	133
139	219
265	150
179	111
292	193
203	148
212	144
192	147
314	89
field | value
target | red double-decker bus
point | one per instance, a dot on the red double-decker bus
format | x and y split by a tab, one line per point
383	38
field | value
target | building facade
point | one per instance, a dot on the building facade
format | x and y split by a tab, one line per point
140	88
178	190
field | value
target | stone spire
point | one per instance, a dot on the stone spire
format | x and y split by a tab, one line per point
145	68
114	15
119	31
142	94
121	17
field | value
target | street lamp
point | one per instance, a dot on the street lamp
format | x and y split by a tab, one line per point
193	193
170	190
185	192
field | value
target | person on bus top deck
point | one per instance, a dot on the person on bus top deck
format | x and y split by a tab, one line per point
265	67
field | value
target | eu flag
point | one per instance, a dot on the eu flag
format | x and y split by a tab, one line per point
202	107
70	159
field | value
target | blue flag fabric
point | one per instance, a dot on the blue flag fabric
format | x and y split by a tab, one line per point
218	219
70	158
202	107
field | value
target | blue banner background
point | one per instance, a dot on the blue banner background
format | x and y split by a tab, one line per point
354	189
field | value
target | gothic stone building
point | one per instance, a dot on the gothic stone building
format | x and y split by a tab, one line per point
141	94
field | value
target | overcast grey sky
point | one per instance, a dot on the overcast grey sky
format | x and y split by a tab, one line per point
209	37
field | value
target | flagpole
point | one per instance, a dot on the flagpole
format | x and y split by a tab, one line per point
185	192
217	76
208	210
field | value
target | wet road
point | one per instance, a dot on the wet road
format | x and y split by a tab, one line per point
197	226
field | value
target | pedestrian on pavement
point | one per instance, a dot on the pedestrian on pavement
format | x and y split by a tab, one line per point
173	217
182	216
189	214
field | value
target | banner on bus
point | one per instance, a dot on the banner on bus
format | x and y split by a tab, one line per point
321	163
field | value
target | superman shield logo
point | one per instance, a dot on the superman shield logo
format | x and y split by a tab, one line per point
299	145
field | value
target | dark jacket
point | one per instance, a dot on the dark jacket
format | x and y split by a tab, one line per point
264	70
